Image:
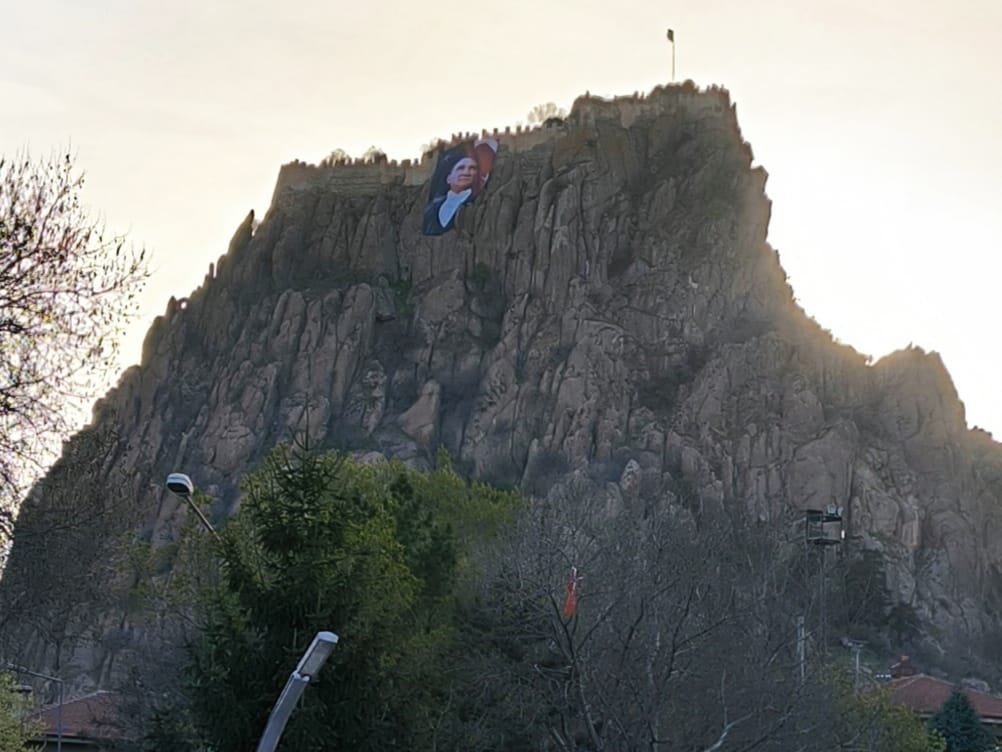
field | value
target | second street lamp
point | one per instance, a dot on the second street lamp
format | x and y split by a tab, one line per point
309	665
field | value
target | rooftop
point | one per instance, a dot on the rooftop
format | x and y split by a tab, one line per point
93	716
926	695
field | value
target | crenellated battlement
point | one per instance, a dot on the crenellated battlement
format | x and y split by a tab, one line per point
362	175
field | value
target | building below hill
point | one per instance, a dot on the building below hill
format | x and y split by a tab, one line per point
925	695
89	724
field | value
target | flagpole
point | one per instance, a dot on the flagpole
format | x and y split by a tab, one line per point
671	39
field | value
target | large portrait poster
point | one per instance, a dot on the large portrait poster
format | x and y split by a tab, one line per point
460	176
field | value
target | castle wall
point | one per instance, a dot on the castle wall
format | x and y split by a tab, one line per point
361	177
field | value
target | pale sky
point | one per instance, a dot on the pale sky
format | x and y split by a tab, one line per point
875	119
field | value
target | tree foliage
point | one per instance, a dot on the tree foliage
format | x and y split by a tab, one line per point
66	558
66	291
14	733
959	725
900	730
374	154
866	598
682	637
543	112
374	553
337	156
869	722
903	623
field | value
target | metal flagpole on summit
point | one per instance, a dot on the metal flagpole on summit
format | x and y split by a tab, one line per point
671	39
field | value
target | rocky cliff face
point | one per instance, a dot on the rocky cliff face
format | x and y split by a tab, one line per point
610	306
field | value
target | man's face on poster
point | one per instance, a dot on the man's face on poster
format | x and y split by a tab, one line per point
462	175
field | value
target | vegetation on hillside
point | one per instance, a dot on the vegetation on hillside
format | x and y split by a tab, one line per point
682	637
471	620
14	730
868	721
539	114
378	554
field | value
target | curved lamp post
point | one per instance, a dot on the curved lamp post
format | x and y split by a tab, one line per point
311	662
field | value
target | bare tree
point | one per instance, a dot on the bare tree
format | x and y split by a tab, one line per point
373	155
66	292
543	112
337	156
679	634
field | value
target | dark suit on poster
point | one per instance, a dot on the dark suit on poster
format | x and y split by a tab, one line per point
433	224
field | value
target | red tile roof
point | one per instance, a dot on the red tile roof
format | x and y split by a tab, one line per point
93	716
926	695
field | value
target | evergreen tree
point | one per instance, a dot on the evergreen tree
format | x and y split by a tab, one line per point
374	553
957	722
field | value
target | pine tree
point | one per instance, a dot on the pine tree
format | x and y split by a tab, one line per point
960	726
376	553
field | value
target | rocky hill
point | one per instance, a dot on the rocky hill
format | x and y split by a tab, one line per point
609	306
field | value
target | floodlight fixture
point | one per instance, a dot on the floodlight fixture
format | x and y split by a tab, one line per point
316	654
180	484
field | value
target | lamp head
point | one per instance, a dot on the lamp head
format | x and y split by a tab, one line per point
180	484
316	654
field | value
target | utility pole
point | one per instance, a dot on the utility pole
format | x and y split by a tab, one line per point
856	646
801	648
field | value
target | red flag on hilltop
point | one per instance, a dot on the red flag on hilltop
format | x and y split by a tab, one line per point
571	600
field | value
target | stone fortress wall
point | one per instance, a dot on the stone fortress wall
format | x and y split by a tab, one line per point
359	176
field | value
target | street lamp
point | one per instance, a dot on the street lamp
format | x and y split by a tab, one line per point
181	485
59	700
311	662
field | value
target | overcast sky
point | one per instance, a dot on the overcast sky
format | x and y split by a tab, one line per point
877	122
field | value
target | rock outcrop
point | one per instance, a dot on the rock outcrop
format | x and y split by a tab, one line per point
610	305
